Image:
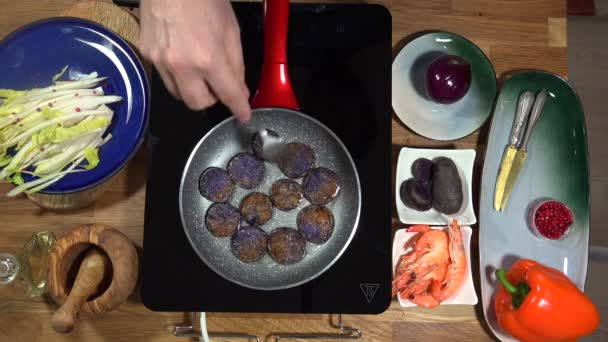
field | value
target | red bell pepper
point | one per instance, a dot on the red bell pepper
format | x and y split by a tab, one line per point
539	303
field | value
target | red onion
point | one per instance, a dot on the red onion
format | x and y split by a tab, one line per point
448	79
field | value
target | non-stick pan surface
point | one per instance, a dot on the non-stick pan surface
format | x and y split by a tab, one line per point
229	138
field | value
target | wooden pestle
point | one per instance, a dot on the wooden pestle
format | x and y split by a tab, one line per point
90	274
121	262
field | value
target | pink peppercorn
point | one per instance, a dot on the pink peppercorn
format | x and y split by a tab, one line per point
552	219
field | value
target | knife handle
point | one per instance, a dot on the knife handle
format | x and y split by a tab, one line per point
539	104
526	99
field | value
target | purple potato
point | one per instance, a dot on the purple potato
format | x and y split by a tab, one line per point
215	185
316	224
421	191
249	244
286	194
246	170
297	161
256	208
448	79
321	186
286	245
256	142
222	219
422	169
447	186
405	192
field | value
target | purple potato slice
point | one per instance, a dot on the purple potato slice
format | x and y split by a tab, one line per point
256	208
321	186
249	244
256	142
215	185
286	245
222	219
297	161
286	194
246	170
422	169
316	224
410	187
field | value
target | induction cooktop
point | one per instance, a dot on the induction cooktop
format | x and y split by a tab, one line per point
339	60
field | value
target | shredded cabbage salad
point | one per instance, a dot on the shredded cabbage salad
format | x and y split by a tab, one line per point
52	132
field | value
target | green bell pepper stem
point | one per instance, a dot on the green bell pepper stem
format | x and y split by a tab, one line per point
518	292
502	277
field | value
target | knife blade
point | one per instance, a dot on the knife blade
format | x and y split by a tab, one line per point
524	105
522	151
517	161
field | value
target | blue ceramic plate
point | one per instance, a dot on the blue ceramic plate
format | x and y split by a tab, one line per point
556	167
426	117
30	56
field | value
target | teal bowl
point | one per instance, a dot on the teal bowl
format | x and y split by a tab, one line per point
435	120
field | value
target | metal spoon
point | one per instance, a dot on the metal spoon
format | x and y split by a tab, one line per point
272	145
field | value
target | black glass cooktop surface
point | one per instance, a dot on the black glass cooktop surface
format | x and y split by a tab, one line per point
339	60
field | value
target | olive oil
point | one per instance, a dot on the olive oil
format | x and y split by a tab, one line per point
30	265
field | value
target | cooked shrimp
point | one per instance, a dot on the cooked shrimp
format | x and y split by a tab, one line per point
425	265
431	240
435	269
457	268
418	291
424	300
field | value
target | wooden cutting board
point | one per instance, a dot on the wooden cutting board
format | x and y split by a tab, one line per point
122	21
108	14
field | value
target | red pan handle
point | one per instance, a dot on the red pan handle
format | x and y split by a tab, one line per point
275	88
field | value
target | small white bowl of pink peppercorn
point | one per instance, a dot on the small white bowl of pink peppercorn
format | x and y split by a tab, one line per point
550	219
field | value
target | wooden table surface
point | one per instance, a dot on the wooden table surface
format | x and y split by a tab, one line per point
515	34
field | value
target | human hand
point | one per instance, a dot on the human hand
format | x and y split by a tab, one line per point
196	47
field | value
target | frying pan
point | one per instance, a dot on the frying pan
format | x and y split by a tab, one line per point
274	107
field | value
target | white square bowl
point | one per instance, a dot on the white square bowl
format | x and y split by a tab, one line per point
466	295
463	159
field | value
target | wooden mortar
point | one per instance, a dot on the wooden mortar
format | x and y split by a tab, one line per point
123	264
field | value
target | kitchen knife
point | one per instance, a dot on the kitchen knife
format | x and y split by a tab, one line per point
526	100
521	153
